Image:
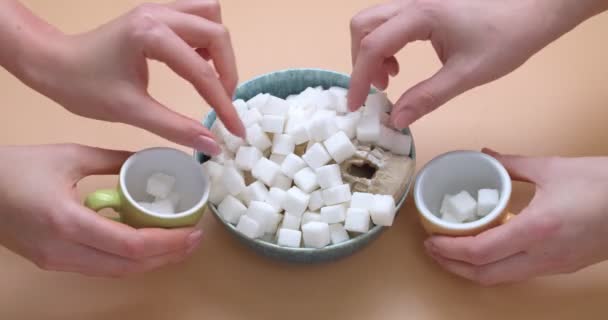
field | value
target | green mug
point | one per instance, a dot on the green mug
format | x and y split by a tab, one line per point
191	183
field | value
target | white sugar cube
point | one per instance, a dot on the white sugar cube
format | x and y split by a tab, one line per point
259	100
257	138
291	221
309	216
274	106
316	234
272	123
160	185
249	227
240	106
325	100
292	164
339	94
233	180
333	214
368	129
246	157
251	117
348	123
321	126
224	155
357	220
265	171
337	233
282	182
289	238
283	144
174	198
316	201
275	198
298	132
161	206
295	201
444	204
316	156
462	206
213	169
232	142
448	217
336	195
219	130
218	191
386	138
401	144
231	209
362	200
256	191
277	158
329	176
264	214
487	200
306	180
340	147
383	210
378	102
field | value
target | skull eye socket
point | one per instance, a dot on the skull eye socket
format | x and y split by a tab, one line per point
366	170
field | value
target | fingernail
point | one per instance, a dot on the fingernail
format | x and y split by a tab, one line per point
207	146
402	119
241	132
194	238
392	72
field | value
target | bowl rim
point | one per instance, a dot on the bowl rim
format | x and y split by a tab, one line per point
210	118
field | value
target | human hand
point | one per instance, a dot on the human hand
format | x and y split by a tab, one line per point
477	42
43	221
563	229
103	74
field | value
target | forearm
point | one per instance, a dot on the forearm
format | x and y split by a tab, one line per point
22	37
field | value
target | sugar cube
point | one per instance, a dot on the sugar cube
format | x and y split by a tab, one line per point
256	191
333	214
292	164
448	217
325	100
378	102
218	191
174	198
264	214
282	182
340	147
283	144
306	180
444	204
337	194
259	100
337	233
251	117
295	201
357	220
160	184
265	171
383	210
213	169
487	200
298	132
329	176
275	198
233	180
277	158
368	129
339	94
309	216
321	126
231	209
257	138
219	130
161	206
462	206
273	124
240	106
316	234
348	123
401	144
316	201
316	156
232	142
246	157
249	227
289	238
274	106
386	138
362	200
291	221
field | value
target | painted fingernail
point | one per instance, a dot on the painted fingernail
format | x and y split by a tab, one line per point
194	238
207	146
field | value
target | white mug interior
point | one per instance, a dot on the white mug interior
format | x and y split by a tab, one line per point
191	183
453	172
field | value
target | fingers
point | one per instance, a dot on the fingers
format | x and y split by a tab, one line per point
527	169
208	9
380	44
88	228
161	43
515	268
92	160
366	21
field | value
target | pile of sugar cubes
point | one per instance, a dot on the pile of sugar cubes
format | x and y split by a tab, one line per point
462	207
296	196
160	186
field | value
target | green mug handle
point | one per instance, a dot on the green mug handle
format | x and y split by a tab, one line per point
102	199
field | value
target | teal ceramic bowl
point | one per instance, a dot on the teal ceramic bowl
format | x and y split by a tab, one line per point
281	84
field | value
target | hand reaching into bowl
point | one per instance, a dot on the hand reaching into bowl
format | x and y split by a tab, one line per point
103	74
477	41
563	229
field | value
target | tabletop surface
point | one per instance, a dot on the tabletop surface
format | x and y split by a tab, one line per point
556	104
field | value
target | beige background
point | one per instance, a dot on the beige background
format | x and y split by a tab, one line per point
555	104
